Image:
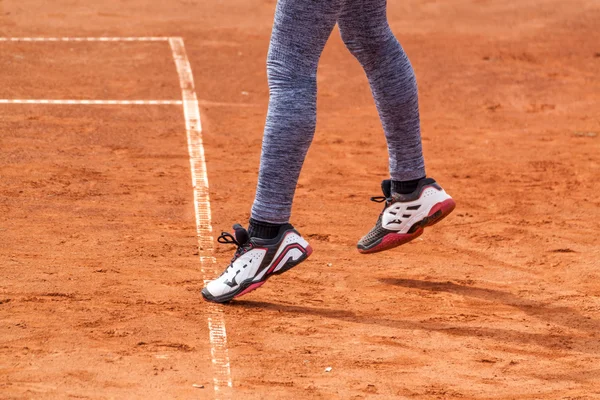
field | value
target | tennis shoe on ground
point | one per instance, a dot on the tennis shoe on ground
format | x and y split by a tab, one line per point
406	215
255	261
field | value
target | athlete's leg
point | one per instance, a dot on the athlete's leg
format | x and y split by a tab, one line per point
271	246
412	202
366	33
300	32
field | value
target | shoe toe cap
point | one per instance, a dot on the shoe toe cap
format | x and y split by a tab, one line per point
215	288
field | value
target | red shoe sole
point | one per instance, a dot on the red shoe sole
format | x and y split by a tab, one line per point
438	212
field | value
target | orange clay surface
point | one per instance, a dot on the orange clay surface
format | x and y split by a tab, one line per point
100	279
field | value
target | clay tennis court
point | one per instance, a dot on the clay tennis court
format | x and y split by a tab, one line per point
100	259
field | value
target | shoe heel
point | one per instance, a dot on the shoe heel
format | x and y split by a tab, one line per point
309	251
291	264
439	212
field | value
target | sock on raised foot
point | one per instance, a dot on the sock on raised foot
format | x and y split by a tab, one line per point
263	230
405	187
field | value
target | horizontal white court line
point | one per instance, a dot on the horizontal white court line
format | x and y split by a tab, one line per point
92	102
86	39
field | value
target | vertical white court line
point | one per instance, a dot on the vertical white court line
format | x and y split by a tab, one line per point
216	320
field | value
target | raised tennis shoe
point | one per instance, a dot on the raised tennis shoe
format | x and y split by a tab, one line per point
404	216
255	261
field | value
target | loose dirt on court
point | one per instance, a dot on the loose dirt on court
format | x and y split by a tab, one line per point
99	259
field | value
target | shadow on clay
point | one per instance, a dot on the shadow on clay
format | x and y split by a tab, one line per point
565	316
562	315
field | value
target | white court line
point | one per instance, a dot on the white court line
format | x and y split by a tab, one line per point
93	102
216	320
85	39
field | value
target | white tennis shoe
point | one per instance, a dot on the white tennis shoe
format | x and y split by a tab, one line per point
406	215
255	261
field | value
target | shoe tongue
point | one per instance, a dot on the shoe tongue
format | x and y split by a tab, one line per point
386	188
241	234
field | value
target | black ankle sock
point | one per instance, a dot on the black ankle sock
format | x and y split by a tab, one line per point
405	187
263	230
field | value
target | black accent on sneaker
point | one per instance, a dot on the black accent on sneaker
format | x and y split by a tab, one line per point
233	282
261	242
430	220
417	192
389	197
405	187
240	238
374	237
263	230
386	188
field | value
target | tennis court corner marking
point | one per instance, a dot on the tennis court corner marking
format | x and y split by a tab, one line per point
222	381
216	321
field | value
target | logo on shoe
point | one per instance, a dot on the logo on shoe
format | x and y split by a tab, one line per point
394	221
232	282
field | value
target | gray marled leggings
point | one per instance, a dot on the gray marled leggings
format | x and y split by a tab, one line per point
300	31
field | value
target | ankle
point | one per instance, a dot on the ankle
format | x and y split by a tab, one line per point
263	230
405	187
